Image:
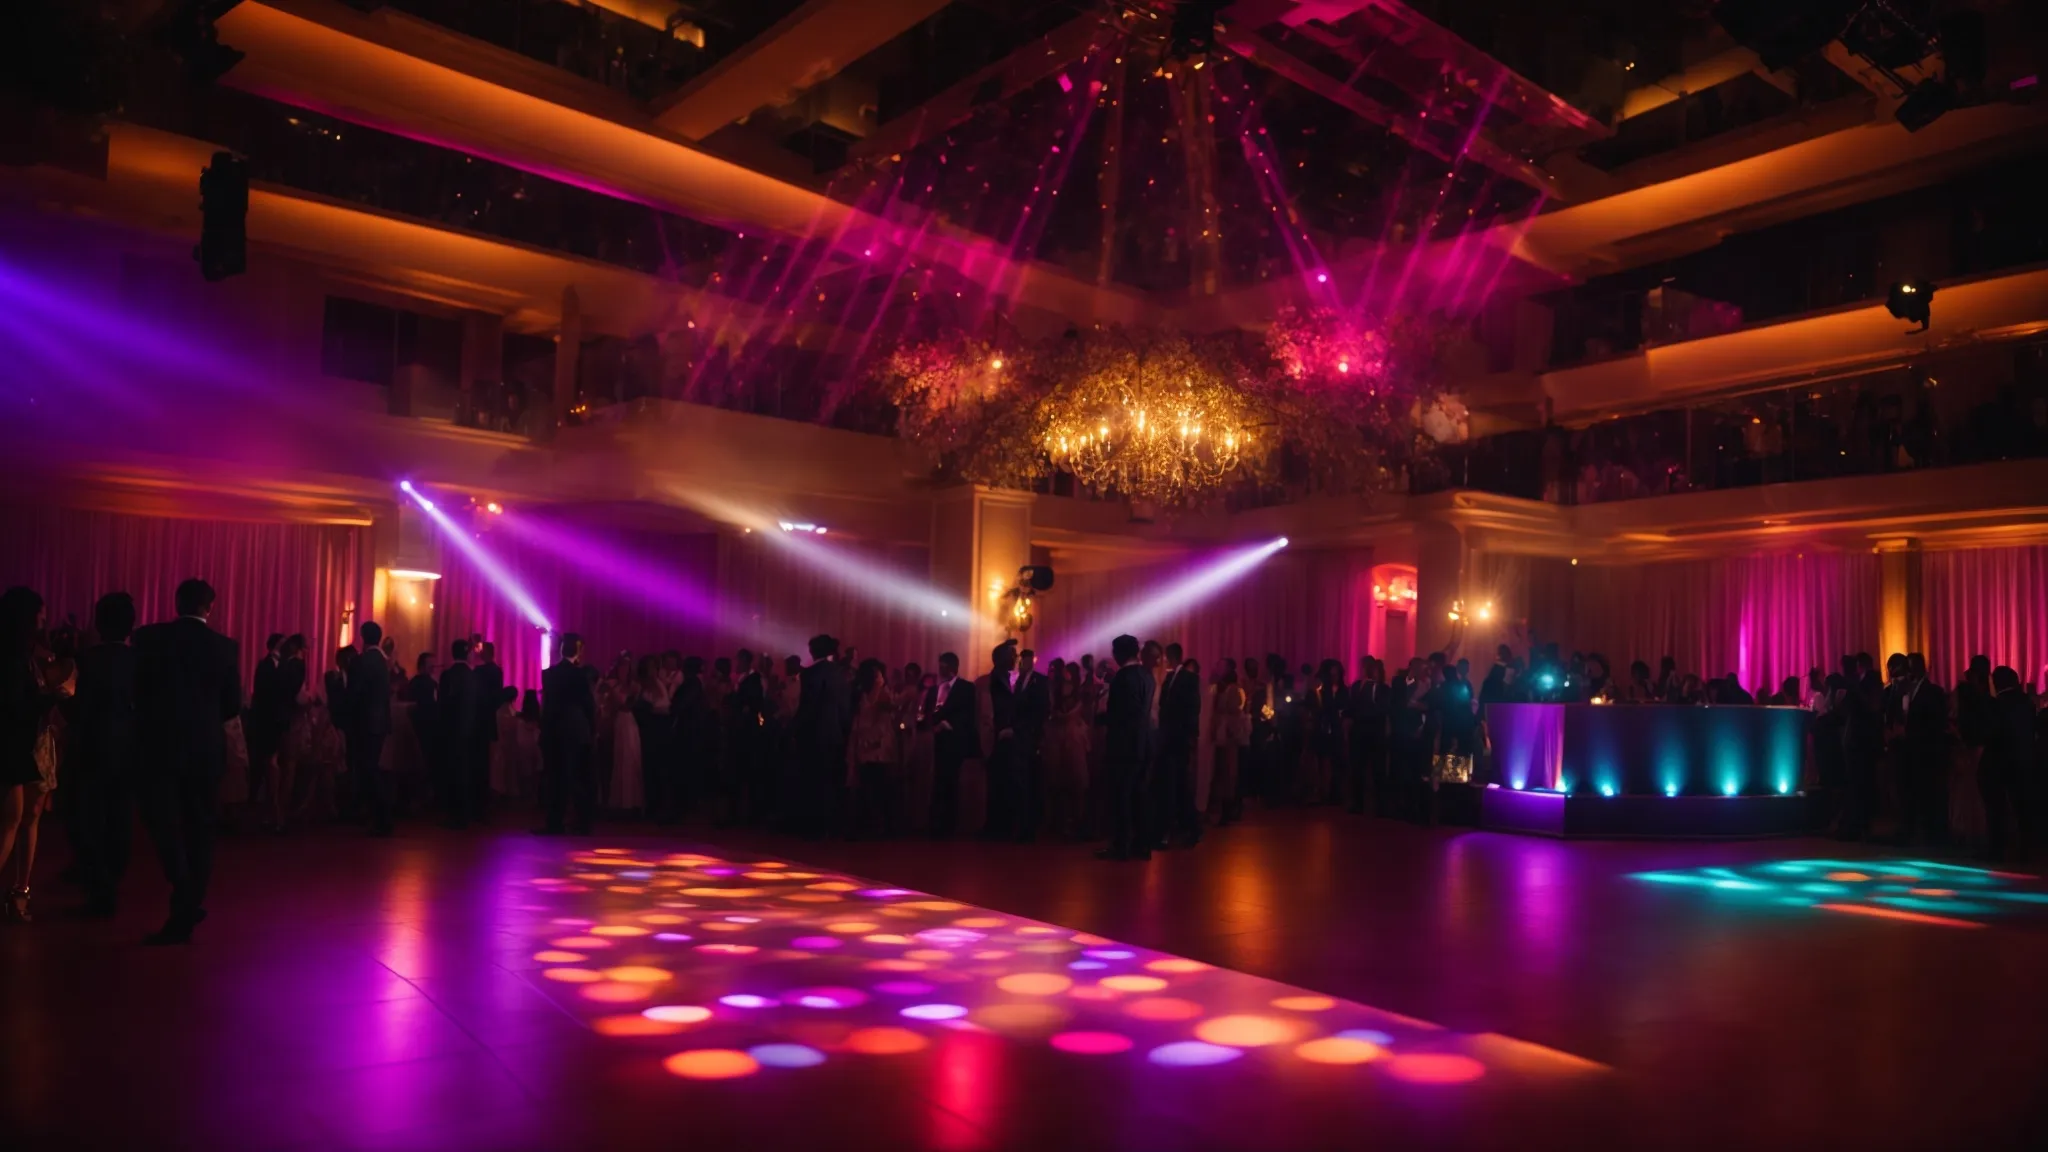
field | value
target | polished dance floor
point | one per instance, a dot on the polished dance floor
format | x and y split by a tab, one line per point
1307	981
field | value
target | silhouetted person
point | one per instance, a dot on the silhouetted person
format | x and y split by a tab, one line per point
1127	748
369	717
950	711
1369	706
264	727
748	787
188	685
2008	759
1862	742
1924	748
995	694
1173	766
455	743
568	728
824	719
103	752
486	692
1033	692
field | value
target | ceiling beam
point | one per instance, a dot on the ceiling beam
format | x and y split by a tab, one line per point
807	47
1001	80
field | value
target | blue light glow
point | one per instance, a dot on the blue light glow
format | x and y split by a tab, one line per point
1607	789
1192	1054
786	1055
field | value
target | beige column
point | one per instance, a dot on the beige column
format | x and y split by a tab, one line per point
1899	624
980	538
1440	572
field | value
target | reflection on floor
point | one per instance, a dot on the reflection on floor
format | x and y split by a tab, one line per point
766	966
1913	891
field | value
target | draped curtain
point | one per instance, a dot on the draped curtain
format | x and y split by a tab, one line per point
663	601
1986	600
269	577
1763	617
776	594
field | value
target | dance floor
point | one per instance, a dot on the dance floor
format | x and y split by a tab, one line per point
1306	981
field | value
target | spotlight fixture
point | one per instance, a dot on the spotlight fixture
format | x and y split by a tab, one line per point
1911	300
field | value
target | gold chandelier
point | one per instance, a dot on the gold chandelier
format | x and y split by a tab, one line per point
1156	424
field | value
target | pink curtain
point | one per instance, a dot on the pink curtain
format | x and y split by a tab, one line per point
1761	617
773	598
1988	600
1306	606
661	603
269	577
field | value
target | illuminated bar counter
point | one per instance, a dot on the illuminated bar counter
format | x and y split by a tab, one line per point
1644	770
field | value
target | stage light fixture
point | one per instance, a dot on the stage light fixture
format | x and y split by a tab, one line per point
1912	301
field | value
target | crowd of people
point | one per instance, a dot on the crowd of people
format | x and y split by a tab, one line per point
1139	748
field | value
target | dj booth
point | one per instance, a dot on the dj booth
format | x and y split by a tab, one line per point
1651	770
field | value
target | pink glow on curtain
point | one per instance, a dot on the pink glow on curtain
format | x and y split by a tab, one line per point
1988	600
641	617
269	577
1306	606
1762	617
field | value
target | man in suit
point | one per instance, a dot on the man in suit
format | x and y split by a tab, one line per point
951	715
1033	695
824	720
1409	745
188	685
103	753
369	714
1180	728
1127	750
1862	742
1923	749
2008	761
487	691
1369	707
263	728
456	738
995	697
568	728
747	776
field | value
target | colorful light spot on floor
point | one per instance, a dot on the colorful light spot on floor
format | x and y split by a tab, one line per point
812	898
980	922
786	1055
1035	983
1435	1068
1133	983
711	1064
887	938
1037	930
671	937
572	975
1163	1008
950	937
722	926
729	949
851	927
664	918
1088	939
935	1011
1111	954
746	1000
1305	1003
887	893
581	942
903	987
727	893
1889	914
1087	966
761	876
826	998
893	965
936	906
1247	1031
1022	1016
1339	1050
992	954
1191	1054
555	957
929	955
1937	892
1092	992
816	942
638	974
1369	1035
884	1041
1176	964
834	886
1847	877
617	993
678	1013
1091	1043
633	1026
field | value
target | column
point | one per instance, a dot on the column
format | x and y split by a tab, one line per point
980	538
1898	598
1440	571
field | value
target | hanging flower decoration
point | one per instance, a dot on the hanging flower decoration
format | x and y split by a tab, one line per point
1320	402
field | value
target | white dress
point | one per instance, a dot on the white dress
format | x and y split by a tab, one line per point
628	791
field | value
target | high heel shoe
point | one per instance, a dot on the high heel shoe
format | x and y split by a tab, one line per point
17	906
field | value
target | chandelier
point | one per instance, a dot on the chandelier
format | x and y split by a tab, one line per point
1159	424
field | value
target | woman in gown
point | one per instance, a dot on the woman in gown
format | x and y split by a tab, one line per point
629	784
1066	754
24	711
1231	731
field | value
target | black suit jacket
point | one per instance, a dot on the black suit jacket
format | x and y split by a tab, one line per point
487	691
457	705
1128	714
1002	705
1180	708
824	709
103	711
369	690
263	701
291	680
1034	706
2009	734
1927	715
188	683
748	706
568	706
963	740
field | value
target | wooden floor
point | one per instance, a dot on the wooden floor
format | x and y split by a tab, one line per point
1307	980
